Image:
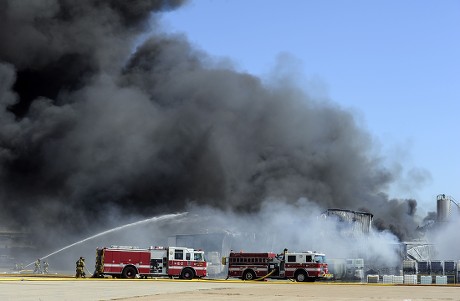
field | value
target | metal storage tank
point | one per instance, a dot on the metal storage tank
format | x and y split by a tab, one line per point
409	267
443	208
360	222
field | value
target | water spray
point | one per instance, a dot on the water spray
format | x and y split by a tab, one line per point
148	220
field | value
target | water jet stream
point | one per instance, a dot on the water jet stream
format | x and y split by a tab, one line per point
148	220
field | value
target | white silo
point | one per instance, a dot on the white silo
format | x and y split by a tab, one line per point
444	208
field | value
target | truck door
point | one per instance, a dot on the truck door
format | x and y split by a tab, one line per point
108	261
116	260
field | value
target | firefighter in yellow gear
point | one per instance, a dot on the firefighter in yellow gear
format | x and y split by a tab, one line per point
80	270
37	268
45	267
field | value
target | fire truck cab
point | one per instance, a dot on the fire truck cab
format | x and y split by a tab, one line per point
301	266
132	262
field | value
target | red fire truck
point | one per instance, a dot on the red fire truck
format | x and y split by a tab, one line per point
129	262
301	266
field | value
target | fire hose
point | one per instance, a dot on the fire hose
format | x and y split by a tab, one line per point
263	277
88	271
257	279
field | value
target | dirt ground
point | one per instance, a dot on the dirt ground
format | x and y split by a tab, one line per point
53	289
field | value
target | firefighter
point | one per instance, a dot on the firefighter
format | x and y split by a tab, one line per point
283	261
80	270
37	269
282	255
45	267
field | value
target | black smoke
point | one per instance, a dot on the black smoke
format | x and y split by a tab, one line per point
88	125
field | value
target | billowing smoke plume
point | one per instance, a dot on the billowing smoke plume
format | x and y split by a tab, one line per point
88	125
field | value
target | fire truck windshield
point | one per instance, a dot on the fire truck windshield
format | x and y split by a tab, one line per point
320	258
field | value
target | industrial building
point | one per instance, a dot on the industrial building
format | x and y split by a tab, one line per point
420	261
13	243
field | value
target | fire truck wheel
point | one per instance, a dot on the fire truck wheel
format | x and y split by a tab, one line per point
187	274
249	275
129	272
301	276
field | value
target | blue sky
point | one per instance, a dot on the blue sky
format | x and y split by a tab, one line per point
394	64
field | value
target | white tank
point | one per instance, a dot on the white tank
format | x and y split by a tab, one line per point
444	207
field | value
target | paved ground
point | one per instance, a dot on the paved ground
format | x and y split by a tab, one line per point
53	289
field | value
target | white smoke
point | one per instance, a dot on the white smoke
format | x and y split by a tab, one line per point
446	237
297	227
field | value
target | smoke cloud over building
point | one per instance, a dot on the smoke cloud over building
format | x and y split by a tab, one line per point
89	126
